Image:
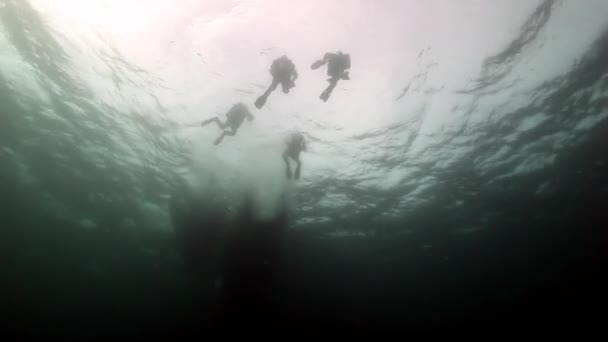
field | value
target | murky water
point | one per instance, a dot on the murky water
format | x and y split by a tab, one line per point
465	127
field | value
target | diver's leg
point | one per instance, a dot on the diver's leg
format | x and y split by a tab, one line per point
285	84
216	120
262	99
272	87
219	139
298	167
288	168
332	84
231	132
225	133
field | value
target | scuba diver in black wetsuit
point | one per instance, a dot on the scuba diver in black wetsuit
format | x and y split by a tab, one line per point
283	71
234	118
337	63
295	145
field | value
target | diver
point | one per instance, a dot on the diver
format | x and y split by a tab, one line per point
283	71
234	119
337	63
295	145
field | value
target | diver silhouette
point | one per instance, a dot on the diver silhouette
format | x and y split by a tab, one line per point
234	118
283	71
337	64
295	145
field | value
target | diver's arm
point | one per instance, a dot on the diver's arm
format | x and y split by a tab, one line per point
322	62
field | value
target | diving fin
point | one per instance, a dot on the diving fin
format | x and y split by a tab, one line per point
219	139
259	103
324	96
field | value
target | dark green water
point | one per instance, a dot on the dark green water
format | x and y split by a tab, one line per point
424	202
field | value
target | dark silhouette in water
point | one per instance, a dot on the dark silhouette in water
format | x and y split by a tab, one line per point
295	145
283	71
337	64
242	251
234	118
249	265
